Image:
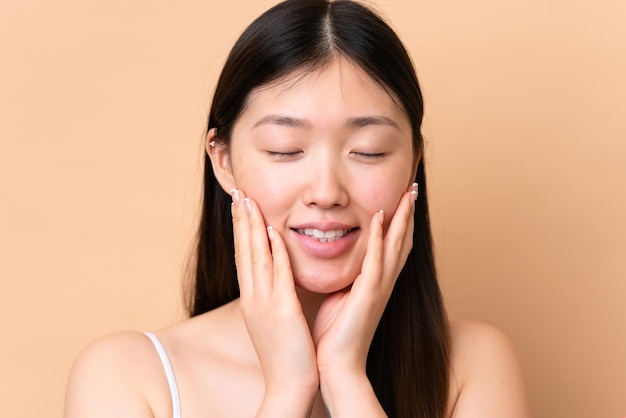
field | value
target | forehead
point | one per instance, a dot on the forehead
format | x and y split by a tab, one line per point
340	88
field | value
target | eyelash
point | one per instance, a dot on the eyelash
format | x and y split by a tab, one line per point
277	154
367	156
287	155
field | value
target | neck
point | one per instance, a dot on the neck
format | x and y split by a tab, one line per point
311	303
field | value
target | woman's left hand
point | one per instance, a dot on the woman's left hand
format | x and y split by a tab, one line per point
347	320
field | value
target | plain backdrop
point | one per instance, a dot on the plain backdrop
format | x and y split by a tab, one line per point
102	112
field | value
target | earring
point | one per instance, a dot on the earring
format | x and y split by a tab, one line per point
212	143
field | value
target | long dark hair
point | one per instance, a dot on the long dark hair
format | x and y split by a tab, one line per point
408	359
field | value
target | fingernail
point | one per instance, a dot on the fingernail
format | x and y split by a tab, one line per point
235	195
414	190
270	232
381	216
247	205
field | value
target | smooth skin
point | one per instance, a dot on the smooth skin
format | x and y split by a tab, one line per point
330	150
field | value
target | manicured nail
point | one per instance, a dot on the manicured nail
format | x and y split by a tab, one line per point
235	195
381	216
270	232
247	205
414	190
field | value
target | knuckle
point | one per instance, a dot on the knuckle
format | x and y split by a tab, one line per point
236	216
241	253
397	246
258	261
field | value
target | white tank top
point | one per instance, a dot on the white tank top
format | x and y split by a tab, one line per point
169	373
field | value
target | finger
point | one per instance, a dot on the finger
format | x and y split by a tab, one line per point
261	264
408	237
371	269
399	237
283	275
242	244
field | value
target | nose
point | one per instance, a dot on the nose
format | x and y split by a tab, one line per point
326	186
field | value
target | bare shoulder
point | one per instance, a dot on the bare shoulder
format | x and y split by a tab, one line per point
486	375
116	375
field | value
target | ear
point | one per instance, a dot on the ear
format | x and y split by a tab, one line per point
219	154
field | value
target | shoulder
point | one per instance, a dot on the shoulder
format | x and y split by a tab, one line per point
116	375
486	378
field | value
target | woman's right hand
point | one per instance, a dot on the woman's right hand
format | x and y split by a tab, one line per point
273	314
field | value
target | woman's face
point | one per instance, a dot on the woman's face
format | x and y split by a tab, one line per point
321	153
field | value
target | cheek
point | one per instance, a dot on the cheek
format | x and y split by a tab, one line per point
269	189
388	201
383	192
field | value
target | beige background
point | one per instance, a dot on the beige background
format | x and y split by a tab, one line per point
102	107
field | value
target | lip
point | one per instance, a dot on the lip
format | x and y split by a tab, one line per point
329	249
324	226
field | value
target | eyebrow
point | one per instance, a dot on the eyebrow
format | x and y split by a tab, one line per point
286	121
364	121
353	123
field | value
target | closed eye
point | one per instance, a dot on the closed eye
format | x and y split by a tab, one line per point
283	155
369	156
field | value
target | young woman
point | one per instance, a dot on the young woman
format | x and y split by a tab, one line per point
315	291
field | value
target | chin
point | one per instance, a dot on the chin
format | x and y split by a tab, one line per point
324	282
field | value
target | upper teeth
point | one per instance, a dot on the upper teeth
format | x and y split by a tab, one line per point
324	236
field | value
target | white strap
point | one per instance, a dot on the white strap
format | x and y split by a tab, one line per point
169	372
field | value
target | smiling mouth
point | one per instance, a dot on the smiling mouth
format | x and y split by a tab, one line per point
325	236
